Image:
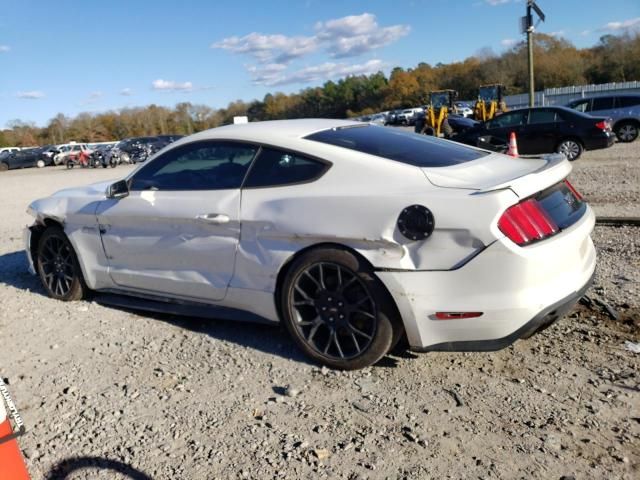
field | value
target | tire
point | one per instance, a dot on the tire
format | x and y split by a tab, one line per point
58	267
40	164
336	310
70	164
4	167
627	131
571	148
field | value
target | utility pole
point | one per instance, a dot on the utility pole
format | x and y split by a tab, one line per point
528	28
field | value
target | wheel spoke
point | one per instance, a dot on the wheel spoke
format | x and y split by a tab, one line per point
348	284
359	332
303	293
330	341
366	314
299	303
321	271
335	340
317	284
313	331
355	340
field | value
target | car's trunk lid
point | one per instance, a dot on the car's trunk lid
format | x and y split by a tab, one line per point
524	176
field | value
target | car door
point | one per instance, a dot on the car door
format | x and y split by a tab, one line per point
602	107
177	231
541	134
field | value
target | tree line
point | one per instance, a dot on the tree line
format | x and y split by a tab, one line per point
558	63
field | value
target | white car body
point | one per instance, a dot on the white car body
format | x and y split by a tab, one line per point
155	244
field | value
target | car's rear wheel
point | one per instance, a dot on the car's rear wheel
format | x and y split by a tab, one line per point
4	167
570	148
627	131
336	310
58	266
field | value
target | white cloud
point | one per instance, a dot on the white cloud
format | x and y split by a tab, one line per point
357	34
4	48
31	95
495	3
341	37
559	33
127	92
324	71
269	48
508	42
584	33
624	25
92	98
168	85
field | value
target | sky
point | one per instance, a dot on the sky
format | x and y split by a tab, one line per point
69	57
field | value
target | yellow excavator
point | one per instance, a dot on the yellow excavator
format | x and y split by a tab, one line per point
436	113
490	102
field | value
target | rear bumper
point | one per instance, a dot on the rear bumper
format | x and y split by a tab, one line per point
538	323
597	142
517	289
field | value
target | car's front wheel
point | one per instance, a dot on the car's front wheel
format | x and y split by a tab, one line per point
40	164
58	266
627	131
336	309
570	148
4	167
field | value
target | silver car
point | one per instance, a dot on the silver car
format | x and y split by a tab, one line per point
624	111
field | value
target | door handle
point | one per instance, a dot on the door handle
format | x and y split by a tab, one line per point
215	218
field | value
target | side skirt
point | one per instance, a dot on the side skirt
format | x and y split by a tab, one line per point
131	301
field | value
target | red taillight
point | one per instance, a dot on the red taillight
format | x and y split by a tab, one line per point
603	125
526	222
456	315
573	190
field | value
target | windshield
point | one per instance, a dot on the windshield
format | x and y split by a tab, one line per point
401	146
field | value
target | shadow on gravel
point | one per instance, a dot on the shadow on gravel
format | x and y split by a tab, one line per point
65	468
14	273
271	339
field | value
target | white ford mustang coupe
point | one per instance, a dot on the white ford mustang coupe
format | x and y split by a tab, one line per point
353	235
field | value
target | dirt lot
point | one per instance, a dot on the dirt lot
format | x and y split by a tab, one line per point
107	393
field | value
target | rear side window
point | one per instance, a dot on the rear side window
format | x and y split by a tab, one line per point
628	102
542	116
580	105
275	168
510	119
602	103
405	147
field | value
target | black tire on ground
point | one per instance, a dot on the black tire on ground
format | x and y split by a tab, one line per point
627	131
58	267
336	310
3	167
69	163
571	148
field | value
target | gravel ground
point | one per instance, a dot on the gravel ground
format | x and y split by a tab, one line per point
107	393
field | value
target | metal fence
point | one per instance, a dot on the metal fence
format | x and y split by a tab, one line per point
563	95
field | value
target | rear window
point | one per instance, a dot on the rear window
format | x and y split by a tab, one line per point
628	101
401	146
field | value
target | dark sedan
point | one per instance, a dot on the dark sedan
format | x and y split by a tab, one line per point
32	157
543	130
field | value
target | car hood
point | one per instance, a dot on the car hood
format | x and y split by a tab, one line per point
95	189
525	176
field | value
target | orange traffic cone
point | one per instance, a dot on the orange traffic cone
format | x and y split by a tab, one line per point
513	145
12	464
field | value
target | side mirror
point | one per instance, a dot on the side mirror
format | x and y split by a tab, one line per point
118	190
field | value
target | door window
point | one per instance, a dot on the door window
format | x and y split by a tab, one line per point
624	102
276	167
581	106
602	103
511	119
542	116
197	166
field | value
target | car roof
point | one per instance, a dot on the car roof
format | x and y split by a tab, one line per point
272	131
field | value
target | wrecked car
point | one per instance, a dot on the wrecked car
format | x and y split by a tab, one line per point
356	236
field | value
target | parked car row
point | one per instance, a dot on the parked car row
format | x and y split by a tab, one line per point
105	154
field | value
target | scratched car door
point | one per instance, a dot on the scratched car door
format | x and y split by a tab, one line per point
177	231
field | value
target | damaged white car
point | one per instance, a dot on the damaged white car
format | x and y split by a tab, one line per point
355	236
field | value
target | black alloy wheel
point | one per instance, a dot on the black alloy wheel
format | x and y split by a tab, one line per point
58	266
627	132
336	310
